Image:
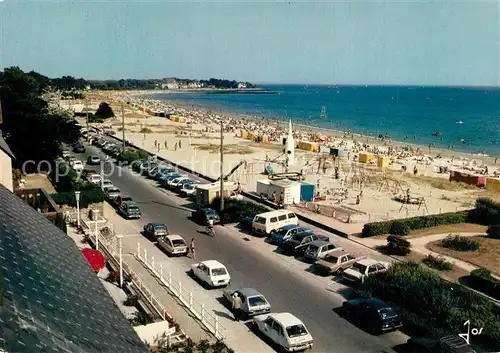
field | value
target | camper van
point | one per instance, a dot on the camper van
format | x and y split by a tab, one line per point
269	222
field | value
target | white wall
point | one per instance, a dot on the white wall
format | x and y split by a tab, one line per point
6	171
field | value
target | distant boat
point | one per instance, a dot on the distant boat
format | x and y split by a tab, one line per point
460	122
437	133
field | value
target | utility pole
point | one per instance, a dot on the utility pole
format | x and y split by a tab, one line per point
123	128
221	171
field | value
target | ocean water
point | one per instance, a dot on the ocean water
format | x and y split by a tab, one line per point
409	114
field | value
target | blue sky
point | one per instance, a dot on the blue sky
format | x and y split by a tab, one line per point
424	42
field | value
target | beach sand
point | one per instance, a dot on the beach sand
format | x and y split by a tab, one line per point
198	149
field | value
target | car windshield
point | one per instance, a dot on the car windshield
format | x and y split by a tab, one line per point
256	301
359	267
332	259
296	330
261	220
189	187
313	247
221	271
113	190
160	228
133	209
282	231
178	242
386	312
209	212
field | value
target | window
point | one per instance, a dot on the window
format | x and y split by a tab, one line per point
291	215
260	220
372	268
330	247
296	330
219	271
178	242
349	257
273	220
256	301
269	321
277	327
359	267
282	218
380	267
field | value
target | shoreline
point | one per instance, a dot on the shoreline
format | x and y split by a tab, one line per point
350	133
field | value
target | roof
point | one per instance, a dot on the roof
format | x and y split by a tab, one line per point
319	243
174	237
212	263
249	292
286	319
5	147
155	224
50	291
283	183
214	185
367	262
290	226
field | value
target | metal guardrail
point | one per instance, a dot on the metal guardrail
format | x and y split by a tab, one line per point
210	321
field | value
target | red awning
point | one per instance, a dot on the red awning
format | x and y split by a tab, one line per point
95	258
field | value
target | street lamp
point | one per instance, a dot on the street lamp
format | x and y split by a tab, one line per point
120	247
77	197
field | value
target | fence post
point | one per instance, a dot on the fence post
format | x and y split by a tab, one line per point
191	301
139	250
203	313
169	279
161	273
153	263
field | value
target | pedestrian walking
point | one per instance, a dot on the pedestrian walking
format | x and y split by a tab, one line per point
180	144
175	147
166	145
236	307
191	249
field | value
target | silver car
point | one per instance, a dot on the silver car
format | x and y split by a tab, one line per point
253	303
318	249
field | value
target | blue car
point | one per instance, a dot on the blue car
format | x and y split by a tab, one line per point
286	232
162	172
165	178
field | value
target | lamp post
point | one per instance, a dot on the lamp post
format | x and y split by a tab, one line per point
96	212
77	197
120	249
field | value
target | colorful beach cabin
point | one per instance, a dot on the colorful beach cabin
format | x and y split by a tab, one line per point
366	157
308	146
383	161
337	152
468	178
493	184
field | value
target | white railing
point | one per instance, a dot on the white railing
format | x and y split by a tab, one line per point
209	320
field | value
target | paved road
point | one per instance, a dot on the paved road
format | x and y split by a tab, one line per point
295	291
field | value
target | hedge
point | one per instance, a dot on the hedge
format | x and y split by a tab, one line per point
487	212
431	306
87	196
482	280
133	155
379	228
235	210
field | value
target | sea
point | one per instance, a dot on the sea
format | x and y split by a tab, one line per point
466	119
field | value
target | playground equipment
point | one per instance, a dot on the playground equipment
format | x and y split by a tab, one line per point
234	169
357	177
392	185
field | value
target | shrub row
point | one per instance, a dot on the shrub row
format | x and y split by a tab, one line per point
131	155
494	231
459	243
436	306
88	196
482	280
396	245
437	262
407	224
235	210
487	212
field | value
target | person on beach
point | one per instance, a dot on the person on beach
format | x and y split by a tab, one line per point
191	249
175	147
166	145
180	144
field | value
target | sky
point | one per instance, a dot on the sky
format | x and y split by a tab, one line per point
350	42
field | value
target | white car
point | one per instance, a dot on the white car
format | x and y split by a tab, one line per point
65	154
173	183
77	166
286	330
94	178
106	184
188	190
211	272
364	268
111	192
173	245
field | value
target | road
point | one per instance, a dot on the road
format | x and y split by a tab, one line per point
250	265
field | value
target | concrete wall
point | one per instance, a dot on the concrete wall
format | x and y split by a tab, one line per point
6	171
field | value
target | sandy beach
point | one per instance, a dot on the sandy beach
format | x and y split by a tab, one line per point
195	144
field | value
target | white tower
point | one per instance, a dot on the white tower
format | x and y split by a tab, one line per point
290	146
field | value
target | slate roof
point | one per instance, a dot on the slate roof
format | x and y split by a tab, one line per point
50	299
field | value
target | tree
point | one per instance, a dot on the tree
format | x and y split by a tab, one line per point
32	130
104	111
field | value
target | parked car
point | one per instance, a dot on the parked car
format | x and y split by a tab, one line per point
335	263
65	154
246	223
172	184
146	166
188	190
183	183
202	215
153	167
173	245
117	201
211	272
285	330
77	166
79	148
107	184
153	172
93	178
298	243
269	222
154	230
318	249
111	192
364	268
71	159
446	344
94	160
372	314
253	303
286	232
165	178
129	209
163	171
136	165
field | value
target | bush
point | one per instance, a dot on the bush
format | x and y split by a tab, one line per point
494	231
399	228
482	280
89	195
133	155
235	210
66	178
397	246
132	300
459	243
437	263
436	307
487	212
379	228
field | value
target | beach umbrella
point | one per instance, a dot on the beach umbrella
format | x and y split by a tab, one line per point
95	258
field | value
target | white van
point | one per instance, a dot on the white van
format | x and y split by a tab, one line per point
269	222
94	178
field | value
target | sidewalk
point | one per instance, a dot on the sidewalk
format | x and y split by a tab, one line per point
419	246
236	335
